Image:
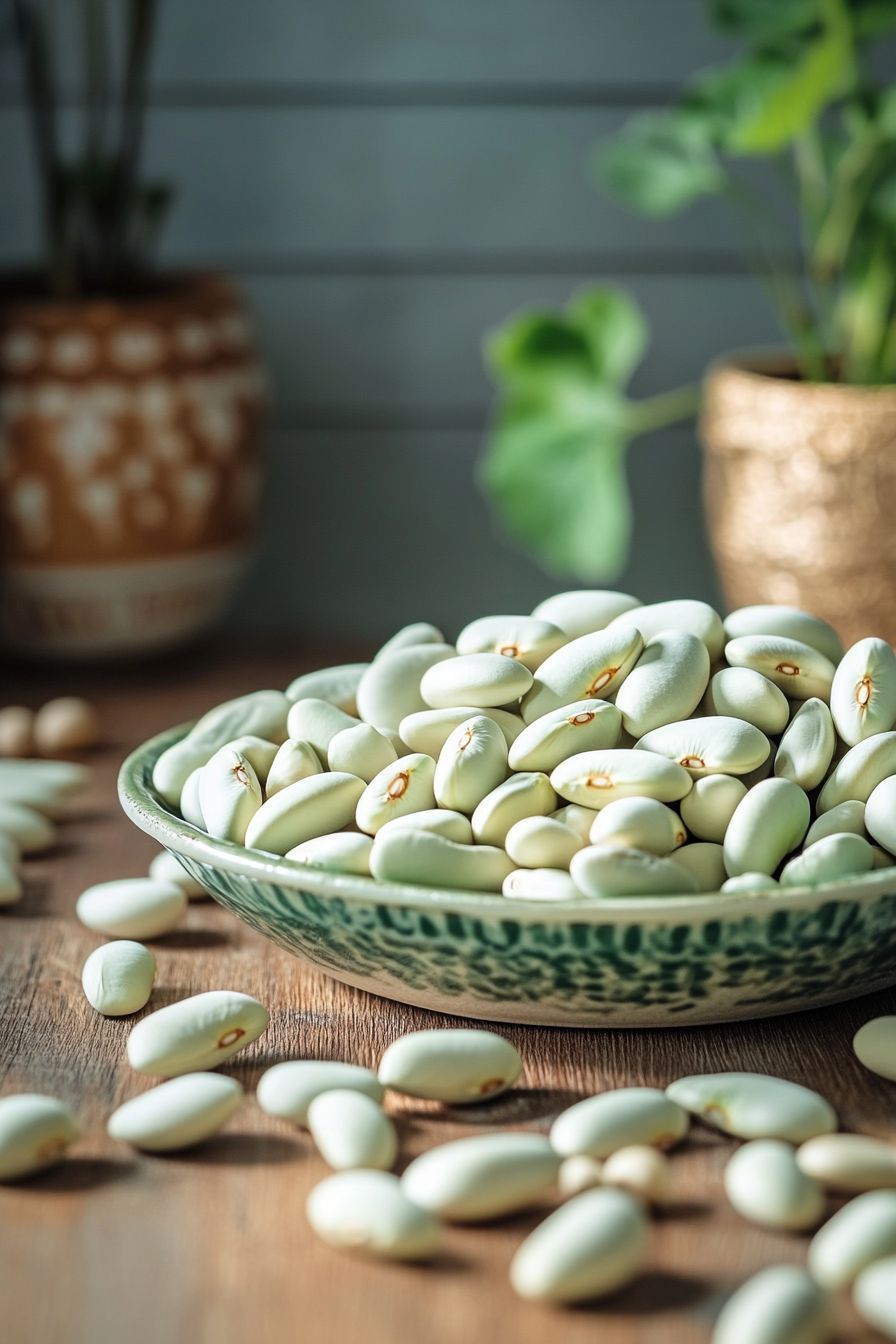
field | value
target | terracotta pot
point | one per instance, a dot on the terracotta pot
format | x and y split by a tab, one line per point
800	492
131	467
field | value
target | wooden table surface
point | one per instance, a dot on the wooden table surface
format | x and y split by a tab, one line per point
212	1246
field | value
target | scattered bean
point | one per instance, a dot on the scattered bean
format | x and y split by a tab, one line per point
132	907
367	1211
863	1231
579	1172
31	830
66	724
852	1163
16	731
351	1131
754	1106
474	1180
765	1184
603	1124
177	1114
457	1066
874	1296
779	1305
196	1033
35	1132
592	1245
288	1089
118	978
875	1046
641	1170
167	867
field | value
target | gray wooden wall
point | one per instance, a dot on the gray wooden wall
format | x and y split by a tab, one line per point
390	179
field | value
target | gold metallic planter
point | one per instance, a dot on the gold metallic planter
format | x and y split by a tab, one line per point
800	492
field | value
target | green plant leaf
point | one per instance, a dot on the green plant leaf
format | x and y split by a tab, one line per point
560	490
659	163
872	18
825	71
764	20
721	102
615	329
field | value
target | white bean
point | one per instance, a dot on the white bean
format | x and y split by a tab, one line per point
31	831
317	722
741	693
540	884
429	730
791	623
525	638
579	819
118	978
595	778
474	1180
710	805
606	871
586	725
592	1245
875	1046
829	860
848	816
684	614
288	1089
863	693
584	611
487	680
851	1163
863	1231
752	883
35	1132
65	724
603	1124
765	1184
754	1106
390	688
797	669
779	1305
411	637
177	1114
807	747
310	807
16	731
441	821
344	852
258	753
527	794
539	842
874	1296
882	858
262	713
589	668
294	761
666	684
229	795
196	1033
41	795
405	786
339	685
857	774
361	751
639	823
714	746
424	859
880	813
454	1065
578	1173
190	807
705	862
351	1131
132	907
767	825
642	1171
472	762
167	867
367	1211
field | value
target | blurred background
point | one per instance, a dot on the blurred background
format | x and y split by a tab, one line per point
389	180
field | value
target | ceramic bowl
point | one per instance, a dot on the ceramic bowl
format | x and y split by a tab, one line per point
639	962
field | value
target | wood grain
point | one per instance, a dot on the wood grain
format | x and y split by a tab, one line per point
212	1246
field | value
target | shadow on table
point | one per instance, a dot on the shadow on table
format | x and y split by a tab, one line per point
653	1291
519	1106
77	1174
241	1150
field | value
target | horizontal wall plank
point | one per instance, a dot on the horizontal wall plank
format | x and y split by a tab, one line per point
359	347
492	42
365	532
258	186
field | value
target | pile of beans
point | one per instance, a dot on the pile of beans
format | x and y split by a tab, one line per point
597	748
605	1157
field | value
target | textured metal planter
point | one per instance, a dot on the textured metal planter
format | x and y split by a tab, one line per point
800	489
131	467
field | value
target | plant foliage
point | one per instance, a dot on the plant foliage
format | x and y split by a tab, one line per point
100	218
803	95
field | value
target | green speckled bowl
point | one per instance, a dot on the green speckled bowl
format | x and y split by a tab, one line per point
647	962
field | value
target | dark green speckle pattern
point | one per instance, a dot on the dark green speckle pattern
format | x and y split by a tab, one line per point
578	974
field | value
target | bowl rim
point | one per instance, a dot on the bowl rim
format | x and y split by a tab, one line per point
143	806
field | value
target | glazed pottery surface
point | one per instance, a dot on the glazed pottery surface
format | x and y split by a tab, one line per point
651	961
131	443
800	489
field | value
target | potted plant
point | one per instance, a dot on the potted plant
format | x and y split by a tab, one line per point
800	445
130	401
